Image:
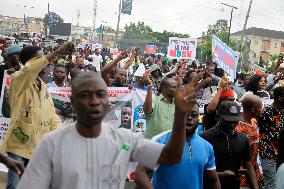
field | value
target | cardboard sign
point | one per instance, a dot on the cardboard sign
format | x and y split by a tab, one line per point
224	56
182	48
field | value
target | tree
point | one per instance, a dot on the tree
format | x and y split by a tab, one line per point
137	31
219	29
162	38
51	19
272	62
142	31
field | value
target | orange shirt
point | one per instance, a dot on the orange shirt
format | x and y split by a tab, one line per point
251	130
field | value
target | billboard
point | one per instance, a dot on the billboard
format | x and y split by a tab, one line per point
63	29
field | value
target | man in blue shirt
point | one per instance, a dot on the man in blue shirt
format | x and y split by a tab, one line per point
196	170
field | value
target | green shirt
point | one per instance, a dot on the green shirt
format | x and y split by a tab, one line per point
162	117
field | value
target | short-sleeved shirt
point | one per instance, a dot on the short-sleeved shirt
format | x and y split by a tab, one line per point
97	60
190	171
230	153
252	131
162	117
67	160
270	125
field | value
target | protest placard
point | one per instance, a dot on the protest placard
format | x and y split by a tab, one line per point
224	56
150	48
182	48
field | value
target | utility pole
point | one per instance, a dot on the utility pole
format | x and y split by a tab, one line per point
118	22
94	20
78	17
47	29
230	19
243	34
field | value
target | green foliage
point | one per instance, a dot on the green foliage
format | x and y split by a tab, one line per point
272	58
162	38
55	19
219	29
137	31
142	31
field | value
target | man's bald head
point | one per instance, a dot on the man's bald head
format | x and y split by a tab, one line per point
83	76
251	101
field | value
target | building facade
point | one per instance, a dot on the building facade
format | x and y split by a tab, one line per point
261	43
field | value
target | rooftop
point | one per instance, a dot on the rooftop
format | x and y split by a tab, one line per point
260	32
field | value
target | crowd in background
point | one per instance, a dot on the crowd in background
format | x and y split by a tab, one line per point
241	144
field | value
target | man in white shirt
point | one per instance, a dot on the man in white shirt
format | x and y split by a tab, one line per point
89	154
97	60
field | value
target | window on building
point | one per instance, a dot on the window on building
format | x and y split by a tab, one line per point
256	42
275	45
282	44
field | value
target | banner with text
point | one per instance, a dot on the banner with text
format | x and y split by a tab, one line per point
182	48
224	56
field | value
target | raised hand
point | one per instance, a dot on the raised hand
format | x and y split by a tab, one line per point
146	79
123	54
185	97
223	84
67	48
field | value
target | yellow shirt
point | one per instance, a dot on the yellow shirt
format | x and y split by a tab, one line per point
32	110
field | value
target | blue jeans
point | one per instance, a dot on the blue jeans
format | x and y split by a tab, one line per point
13	177
269	173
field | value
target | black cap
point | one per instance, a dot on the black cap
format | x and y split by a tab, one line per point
230	111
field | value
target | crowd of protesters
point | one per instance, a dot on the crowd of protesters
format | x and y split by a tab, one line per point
239	145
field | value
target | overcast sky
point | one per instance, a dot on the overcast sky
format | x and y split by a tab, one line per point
185	16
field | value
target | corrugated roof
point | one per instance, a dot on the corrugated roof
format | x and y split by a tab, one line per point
260	32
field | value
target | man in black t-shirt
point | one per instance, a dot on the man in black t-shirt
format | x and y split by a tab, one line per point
231	148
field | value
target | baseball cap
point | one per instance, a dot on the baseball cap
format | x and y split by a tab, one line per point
230	111
13	49
154	67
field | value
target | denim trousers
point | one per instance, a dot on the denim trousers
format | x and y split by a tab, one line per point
13	177
269	173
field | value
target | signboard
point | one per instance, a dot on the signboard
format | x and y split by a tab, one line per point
152	49
62	29
255	69
182	48
126	7
224	56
